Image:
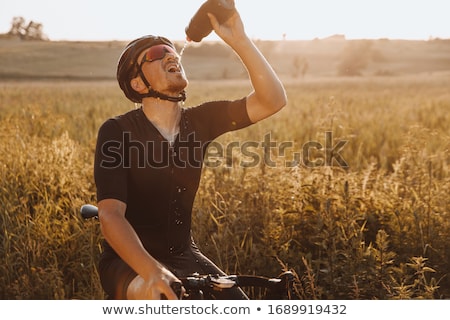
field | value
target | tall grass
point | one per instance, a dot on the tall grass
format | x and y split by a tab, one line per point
378	229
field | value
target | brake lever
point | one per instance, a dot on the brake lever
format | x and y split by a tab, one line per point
222	283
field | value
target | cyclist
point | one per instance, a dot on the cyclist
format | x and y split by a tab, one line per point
148	163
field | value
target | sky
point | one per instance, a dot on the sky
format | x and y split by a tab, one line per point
105	20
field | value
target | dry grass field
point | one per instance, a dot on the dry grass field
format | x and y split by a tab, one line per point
376	228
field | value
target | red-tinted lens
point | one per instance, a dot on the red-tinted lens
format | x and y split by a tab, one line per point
157	53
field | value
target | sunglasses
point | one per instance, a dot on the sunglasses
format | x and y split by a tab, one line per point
157	52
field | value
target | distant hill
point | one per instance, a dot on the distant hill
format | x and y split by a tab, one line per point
29	60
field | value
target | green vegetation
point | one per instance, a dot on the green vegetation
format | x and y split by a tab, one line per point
378	229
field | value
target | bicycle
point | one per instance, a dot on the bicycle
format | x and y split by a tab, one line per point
202	287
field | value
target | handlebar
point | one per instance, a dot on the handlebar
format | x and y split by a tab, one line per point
280	287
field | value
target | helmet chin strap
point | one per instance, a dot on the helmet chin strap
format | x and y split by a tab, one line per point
155	94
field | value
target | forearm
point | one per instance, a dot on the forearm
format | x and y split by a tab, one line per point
153	279
268	94
123	239
268	89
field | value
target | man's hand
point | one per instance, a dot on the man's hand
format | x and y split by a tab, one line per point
231	30
156	287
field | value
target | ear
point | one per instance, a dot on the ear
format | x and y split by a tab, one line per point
137	84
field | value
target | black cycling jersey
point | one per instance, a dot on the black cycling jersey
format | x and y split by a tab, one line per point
158	181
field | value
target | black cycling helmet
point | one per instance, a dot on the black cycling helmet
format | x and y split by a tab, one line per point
127	68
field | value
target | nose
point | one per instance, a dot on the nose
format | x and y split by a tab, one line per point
170	56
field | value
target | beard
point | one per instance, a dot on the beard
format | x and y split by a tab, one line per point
177	83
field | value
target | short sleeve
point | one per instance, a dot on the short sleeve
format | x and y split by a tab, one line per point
110	174
223	116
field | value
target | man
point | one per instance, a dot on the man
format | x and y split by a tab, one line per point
148	163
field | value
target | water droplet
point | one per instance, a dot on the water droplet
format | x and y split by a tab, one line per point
184	48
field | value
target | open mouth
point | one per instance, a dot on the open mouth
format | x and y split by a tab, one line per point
173	68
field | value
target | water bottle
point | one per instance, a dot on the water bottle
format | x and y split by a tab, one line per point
200	26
